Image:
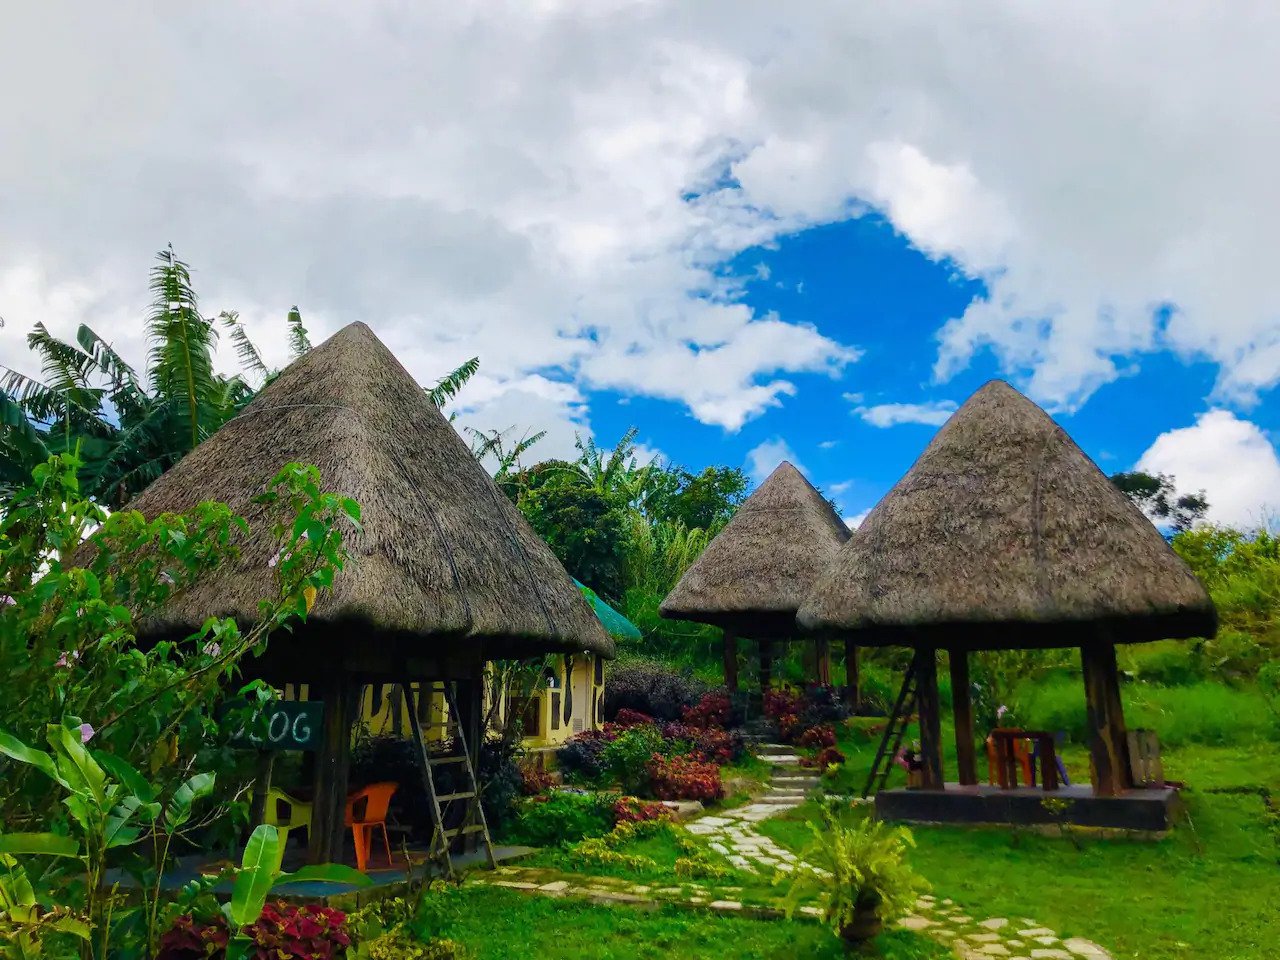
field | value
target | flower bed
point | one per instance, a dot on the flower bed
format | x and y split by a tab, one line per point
663	759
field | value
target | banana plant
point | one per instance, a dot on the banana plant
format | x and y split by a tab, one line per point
258	875
110	805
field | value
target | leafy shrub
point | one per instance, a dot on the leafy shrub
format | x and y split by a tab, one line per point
581	759
682	778
695	861
816	738
822	704
635	810
562	817
825	758
283	930
794	712
631	718
719	746
399	944
534	780
865	870
651	688
626	758
715	709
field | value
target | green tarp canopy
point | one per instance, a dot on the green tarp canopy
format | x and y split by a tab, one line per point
617	625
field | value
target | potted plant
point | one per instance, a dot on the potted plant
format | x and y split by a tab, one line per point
857	868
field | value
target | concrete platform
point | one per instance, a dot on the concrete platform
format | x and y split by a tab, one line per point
1150	810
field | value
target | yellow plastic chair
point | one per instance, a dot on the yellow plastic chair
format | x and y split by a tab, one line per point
285	813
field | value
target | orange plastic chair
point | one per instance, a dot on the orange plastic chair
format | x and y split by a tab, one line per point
372	802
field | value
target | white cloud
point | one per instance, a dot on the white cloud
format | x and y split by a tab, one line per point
764	458
935	413
828	444
557	187
1230	459
854	522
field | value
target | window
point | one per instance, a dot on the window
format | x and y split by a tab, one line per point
555	710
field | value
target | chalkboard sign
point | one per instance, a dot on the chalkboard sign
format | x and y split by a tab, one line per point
284	725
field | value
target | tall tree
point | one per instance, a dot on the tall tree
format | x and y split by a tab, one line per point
130	429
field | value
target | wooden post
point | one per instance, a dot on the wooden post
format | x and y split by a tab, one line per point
468	698
852	682
1108	746
930	717
766	664
730	660
261	784
324	843
822	660
966	755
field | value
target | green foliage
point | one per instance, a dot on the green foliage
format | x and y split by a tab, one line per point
626	759
561	818
1242	572
68	654
694	859
129	428
865	864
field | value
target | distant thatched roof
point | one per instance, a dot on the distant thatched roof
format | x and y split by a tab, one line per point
755	572
1004	534
445	564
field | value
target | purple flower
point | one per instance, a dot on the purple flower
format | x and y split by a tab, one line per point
274	560
212	649
1001	711
86	733
166	578
6	600
66	659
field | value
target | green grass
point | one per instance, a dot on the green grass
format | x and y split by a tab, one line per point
1212	889
499	924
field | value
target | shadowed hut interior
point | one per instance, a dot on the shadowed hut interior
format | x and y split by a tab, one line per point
1003	535
444	574
751	578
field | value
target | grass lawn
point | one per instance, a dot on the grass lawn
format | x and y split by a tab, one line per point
499	924
1211	889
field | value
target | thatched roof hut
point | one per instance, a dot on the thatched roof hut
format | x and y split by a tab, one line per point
1005	534
755	572
444	560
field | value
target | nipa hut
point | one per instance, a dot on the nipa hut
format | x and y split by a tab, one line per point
443	575
751	578
1005	535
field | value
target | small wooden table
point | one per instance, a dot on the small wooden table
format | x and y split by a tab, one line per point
1003	738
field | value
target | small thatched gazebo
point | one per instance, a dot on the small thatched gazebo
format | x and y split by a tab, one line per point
1005	535
752	576
444	574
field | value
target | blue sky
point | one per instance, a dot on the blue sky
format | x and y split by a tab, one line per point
863	283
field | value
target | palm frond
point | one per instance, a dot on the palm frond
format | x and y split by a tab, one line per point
248	353
299	341
447	387
182	344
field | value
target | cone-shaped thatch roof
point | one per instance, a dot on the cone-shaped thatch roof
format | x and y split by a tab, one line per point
1005	534
754	573
445	565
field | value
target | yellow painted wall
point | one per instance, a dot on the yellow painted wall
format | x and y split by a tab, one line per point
548	725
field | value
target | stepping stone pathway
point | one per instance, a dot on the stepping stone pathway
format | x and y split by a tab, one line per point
1015	939
732	834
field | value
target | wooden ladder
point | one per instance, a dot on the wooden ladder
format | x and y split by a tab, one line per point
473	820
894	731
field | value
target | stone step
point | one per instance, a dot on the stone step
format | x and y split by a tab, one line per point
797	780
781	800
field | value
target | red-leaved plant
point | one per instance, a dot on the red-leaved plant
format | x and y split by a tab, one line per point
282	932
682	778
713	710
819	737
635	810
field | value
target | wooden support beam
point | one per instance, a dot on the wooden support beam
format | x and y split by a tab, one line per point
962	702
766	664
325	839
261	784
822	660
930	709
731	661
852	681
1108	742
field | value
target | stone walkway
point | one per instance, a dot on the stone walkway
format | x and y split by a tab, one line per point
732	833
